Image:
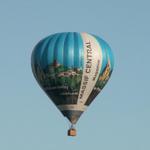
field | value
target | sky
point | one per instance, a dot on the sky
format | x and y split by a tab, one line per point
119	118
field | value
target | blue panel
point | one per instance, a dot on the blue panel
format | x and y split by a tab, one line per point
69	50
78	51
43	54
110	56
38	50
59	48
49	56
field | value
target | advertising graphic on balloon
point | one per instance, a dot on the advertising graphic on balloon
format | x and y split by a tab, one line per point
72	68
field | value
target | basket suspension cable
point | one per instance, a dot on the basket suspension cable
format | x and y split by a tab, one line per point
72	130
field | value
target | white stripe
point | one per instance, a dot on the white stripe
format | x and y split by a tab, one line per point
91	69
71	107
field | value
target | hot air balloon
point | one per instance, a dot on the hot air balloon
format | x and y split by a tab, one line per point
72	68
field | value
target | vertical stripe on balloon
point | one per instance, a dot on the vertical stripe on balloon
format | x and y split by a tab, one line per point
92	67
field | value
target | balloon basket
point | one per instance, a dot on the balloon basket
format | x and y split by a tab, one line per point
72	132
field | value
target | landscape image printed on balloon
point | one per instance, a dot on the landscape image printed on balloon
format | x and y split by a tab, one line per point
101	82
59	80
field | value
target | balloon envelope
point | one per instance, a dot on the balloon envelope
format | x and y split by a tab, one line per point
72	68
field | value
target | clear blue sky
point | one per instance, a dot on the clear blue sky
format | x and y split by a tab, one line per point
119	118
